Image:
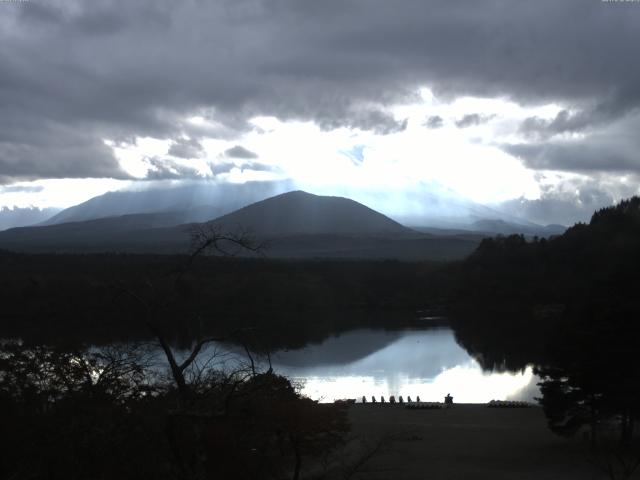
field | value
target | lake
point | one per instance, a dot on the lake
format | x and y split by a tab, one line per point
410	362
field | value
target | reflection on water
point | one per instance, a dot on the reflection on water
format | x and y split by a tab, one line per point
428	363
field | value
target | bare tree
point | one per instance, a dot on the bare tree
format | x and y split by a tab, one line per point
618	459
244	423
206	238
194	378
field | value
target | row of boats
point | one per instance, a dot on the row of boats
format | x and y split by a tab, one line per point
420	405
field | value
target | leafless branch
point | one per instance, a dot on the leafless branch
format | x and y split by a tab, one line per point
209	237
196	351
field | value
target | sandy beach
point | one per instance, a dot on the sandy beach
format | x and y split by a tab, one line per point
466	442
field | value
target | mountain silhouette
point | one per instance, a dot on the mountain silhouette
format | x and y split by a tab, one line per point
294	225
185	203
302	213
496	226
21	217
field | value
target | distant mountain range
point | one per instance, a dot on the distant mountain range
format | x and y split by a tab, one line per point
18	217
205	200
295	225
507	228
185	203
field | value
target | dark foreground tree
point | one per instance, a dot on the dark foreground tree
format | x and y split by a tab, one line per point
110	414
117	412
592	390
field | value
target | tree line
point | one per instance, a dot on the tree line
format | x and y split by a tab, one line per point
568	305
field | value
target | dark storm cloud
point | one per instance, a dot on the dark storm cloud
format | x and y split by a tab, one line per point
376	121
574	202
583	120
183	148
167	169
226	167
240	152
613	148
564	122
259	167
110	69
576	156
472	120
64	156
434	122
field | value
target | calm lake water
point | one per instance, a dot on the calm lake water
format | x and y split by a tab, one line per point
425	363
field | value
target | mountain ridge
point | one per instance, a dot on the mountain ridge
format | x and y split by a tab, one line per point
296	224
221	198
24	216
302	213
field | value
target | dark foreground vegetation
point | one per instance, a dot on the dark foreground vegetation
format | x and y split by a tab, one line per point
113	414
83	298
568	305
83	396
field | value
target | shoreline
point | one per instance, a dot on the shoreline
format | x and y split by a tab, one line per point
498	404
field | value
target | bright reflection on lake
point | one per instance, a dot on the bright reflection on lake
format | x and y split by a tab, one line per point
425	363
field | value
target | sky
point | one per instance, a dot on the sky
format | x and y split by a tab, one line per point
529	107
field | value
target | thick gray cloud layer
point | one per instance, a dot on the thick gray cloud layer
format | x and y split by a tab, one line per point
75	72
593	154
612	147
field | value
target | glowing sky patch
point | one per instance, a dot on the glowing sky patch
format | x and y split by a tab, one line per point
60	192
467	382
460	156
